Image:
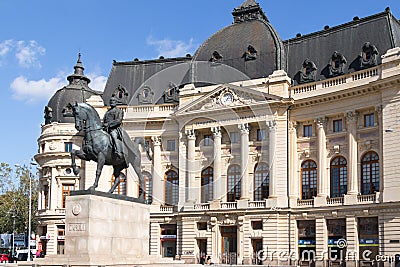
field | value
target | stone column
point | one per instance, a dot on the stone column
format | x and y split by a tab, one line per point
321	240
217	163
272	158
322	182
293	172
244	160
351	121
190	171
157	175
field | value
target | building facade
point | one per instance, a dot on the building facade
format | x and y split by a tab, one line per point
263	150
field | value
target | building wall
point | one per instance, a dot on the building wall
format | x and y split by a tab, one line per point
199	114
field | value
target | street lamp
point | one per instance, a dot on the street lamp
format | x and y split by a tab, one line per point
30	211
13	235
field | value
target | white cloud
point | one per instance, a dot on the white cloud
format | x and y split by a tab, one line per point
171	48
5	47
31	91
34	91
27	54
97	82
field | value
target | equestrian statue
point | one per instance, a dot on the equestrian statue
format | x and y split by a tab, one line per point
106	143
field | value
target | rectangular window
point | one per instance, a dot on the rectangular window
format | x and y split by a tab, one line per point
171	145
66	190
369	120
46	197
202	225
257	225
207	140
261	135
337	126
60	239
234	137
68	147
307	130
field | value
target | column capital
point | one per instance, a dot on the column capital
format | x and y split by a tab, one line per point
351	116
271	125
156	140
216	131
379	110
293	126
191	134
321	122
244	128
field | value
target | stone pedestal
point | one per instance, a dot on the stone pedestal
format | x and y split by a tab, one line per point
103	229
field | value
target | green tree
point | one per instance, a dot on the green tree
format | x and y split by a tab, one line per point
14	198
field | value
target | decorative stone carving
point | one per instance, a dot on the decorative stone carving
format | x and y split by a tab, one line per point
321	122
351	116
369	56
156	140
145	95
121	95
191	134
244	128
250	54
336	65
48	114
216	131
308	73
250	10
271	125
216	57
171	95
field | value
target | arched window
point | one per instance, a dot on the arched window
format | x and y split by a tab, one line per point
369	173
338	177
148	187
233	183
171	188
121	188
261	181
308	179
207	184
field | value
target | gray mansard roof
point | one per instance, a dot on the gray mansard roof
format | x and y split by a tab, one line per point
251	48
381	30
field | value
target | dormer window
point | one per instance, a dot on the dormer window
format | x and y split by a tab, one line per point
121	95
216	57
307	73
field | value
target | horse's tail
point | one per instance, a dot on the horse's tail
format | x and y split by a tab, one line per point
141	141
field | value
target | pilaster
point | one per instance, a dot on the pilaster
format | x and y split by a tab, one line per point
244	159
158	179
351	121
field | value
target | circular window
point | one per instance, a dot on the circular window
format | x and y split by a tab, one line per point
68	171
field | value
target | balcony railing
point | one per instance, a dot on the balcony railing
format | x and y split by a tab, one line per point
325	86
335	201
257	204
202	206
305	202
366	198
228	205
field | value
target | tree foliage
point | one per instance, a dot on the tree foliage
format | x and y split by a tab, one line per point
14	198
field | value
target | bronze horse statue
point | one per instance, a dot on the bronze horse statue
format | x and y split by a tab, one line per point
97	146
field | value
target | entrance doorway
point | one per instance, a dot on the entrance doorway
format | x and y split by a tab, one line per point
229	244
257	247
202	248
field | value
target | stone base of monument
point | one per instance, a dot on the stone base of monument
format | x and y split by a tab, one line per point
103	229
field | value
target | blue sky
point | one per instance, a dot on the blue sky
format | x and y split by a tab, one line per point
40	41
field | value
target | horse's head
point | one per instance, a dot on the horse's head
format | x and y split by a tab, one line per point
75	111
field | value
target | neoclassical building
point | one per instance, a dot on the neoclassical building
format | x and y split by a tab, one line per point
283	152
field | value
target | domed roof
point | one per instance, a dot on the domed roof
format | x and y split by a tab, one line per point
76	91
250	45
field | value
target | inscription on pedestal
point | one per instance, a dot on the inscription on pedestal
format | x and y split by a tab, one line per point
76	227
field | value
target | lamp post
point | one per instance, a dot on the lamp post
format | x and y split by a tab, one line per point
13	234
30	211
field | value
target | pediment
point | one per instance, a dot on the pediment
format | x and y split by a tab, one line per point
227	96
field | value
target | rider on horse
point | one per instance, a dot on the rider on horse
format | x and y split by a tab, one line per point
112	124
